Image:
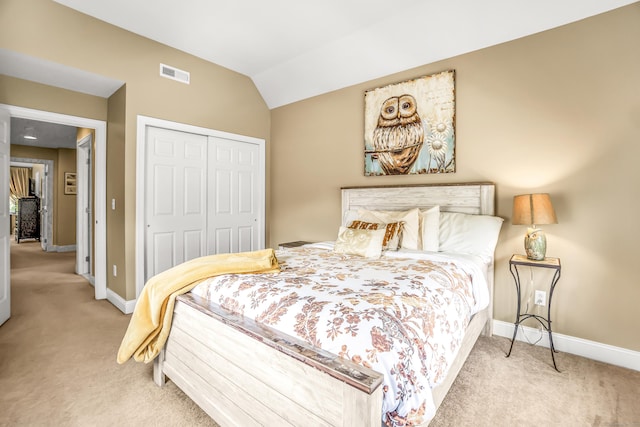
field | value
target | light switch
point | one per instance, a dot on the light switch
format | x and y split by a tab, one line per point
113	204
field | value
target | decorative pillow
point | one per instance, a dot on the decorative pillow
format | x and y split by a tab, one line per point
366	243
430	229
474	234
393	231
410	238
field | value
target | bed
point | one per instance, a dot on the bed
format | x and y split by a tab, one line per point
244	372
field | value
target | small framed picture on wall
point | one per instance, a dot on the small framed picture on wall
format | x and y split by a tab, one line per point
70	183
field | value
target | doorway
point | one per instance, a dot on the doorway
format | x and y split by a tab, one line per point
44	190
99	171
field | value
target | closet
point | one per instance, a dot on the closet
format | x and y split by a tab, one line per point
203	195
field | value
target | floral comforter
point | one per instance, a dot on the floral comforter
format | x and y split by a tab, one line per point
403	315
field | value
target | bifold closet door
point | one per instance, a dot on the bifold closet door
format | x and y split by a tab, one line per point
236	196
175	198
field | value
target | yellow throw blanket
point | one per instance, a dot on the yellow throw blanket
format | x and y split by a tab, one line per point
151	320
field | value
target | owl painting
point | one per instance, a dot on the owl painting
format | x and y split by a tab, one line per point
398	138
409	127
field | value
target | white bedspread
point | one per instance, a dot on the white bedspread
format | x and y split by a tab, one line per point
403	315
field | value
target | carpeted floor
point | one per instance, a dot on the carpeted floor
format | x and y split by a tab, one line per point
57	367
58	355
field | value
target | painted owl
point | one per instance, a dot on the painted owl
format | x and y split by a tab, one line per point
399	136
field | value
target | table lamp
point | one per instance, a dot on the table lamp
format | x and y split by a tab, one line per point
532	210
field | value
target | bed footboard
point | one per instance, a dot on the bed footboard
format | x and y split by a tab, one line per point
243	373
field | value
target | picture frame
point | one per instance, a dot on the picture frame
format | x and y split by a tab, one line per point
70	183
410	127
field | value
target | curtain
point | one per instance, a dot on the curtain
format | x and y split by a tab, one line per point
19	182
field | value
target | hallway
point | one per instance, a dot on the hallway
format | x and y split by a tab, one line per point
46	280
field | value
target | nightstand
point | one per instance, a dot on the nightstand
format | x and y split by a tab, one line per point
551	263
292	244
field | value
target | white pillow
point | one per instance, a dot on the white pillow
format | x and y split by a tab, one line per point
465	233
348	217
410	231
430	229
366	243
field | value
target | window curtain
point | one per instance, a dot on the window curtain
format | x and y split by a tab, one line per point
19	183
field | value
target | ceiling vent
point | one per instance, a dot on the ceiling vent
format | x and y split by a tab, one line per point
174	73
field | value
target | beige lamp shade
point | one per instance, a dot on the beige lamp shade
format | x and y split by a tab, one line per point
531	209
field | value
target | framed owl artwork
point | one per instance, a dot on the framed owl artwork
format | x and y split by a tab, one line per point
409	127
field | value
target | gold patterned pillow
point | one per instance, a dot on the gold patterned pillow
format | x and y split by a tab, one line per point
410	238
393	232
366	243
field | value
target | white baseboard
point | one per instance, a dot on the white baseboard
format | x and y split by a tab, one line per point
580	347
67	248
90	279
123	305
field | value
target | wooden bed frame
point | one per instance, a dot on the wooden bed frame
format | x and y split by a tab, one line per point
244	373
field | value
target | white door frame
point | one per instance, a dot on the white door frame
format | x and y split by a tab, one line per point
5	244
142	123
46	202
100	185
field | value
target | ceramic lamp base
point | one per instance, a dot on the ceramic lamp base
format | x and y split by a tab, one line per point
535	244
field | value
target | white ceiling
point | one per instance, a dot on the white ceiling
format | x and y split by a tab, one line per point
50	73
49	135
296	49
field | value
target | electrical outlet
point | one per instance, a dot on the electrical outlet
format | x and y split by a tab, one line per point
115	272
540	298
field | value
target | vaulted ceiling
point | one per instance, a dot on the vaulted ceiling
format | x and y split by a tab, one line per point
296	49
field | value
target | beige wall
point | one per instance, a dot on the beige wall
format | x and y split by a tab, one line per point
116	253
64	230
217	98
23	93
64	213
556	112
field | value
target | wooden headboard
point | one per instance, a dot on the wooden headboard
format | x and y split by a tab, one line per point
472	198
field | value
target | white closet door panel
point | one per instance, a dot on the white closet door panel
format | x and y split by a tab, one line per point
222	242
233	223
246	238
193	243
245	193
163	191
176	198
223	192
193	191
163	256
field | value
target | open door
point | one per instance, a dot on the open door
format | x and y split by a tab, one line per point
5	249
84	211
44	205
